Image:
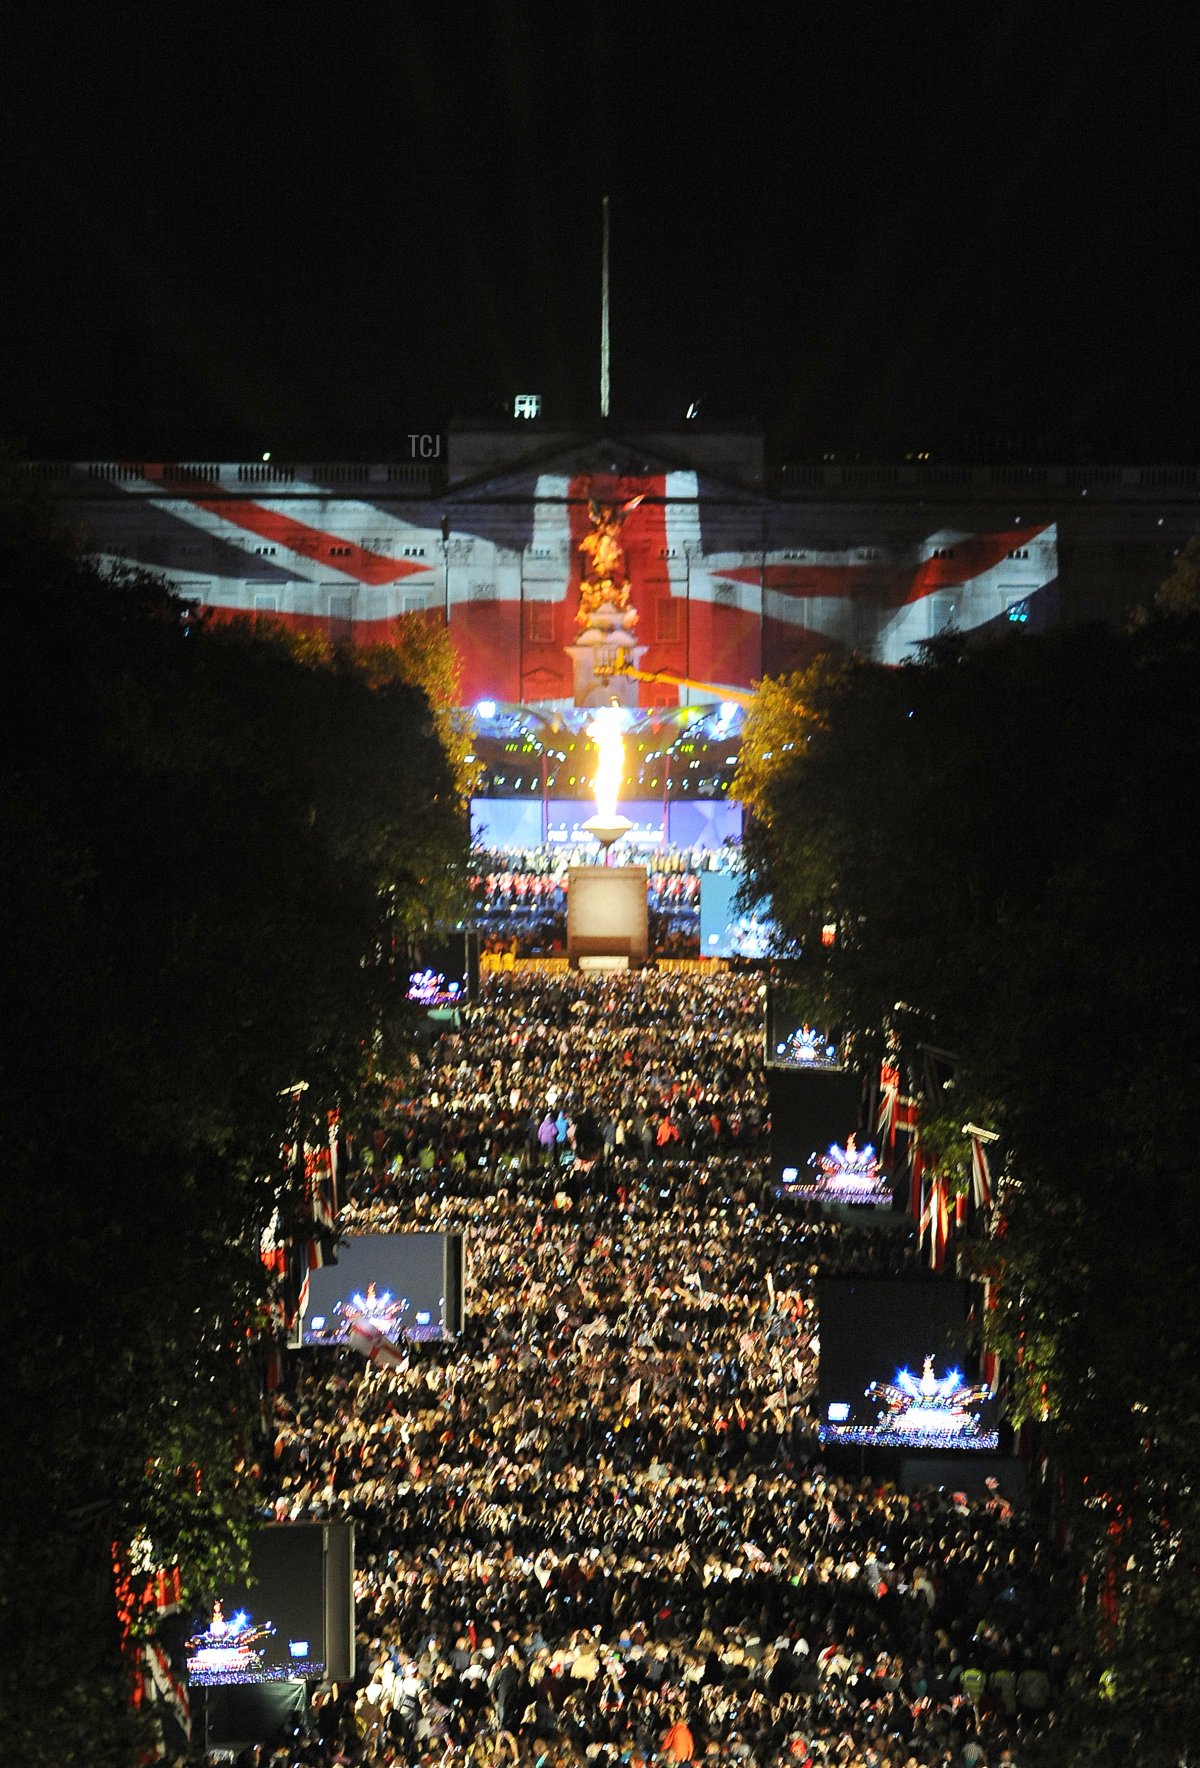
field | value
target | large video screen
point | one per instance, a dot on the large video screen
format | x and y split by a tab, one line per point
727	931
402	1285
791	1041
894	1369
706	823
439	977
817	1146
497	823
272	1628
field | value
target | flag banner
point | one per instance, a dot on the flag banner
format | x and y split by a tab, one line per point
989	1366
334	1119
271	1247
935	1221
295	1283
166	1695
319	1252
370	1343
166	1590
981	1176
906	1116
916	1179
318	1179
889	1092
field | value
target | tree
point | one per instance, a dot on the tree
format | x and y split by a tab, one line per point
1179	593
998	839
217	840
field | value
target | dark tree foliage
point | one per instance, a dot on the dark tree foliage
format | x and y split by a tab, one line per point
217	841
1004	841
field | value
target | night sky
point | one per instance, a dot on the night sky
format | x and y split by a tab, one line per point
970	229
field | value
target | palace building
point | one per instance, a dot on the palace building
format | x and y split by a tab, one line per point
728	573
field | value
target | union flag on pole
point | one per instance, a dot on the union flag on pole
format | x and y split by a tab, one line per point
935	1221
981	1176
320	1184
889	1091
165	1692
906	1116
941	1226
989	1363
334	1119
916	1179
272	1246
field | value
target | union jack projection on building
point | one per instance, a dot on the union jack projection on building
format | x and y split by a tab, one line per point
728	583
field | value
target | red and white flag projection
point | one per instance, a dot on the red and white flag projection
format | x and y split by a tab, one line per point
725	584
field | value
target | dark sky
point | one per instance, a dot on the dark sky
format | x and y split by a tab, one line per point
968	228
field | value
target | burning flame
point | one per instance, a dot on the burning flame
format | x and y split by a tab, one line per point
605	731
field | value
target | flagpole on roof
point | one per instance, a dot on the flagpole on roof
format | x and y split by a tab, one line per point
604	360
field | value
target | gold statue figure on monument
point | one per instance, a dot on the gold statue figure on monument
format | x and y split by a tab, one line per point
605	580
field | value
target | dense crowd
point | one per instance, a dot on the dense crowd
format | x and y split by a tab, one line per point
522	893
597	1526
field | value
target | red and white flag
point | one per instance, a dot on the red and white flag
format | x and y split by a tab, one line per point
166	1693
319	1183
916	1183
989	1363
271	1247
370	1343
889	1092
905	1116
335	1125
935	1221
981	1175
318	1253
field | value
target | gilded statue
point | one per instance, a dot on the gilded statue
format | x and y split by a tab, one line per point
605	578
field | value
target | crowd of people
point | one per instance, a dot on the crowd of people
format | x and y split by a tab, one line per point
597	1527
521	893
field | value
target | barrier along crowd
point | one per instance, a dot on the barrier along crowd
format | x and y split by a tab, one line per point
597	1527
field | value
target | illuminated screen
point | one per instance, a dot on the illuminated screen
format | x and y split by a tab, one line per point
513	823
398	1283
704	822
506	823
812	1111
272	1628
792	1042
497	823
726	931
439	974
894	1369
